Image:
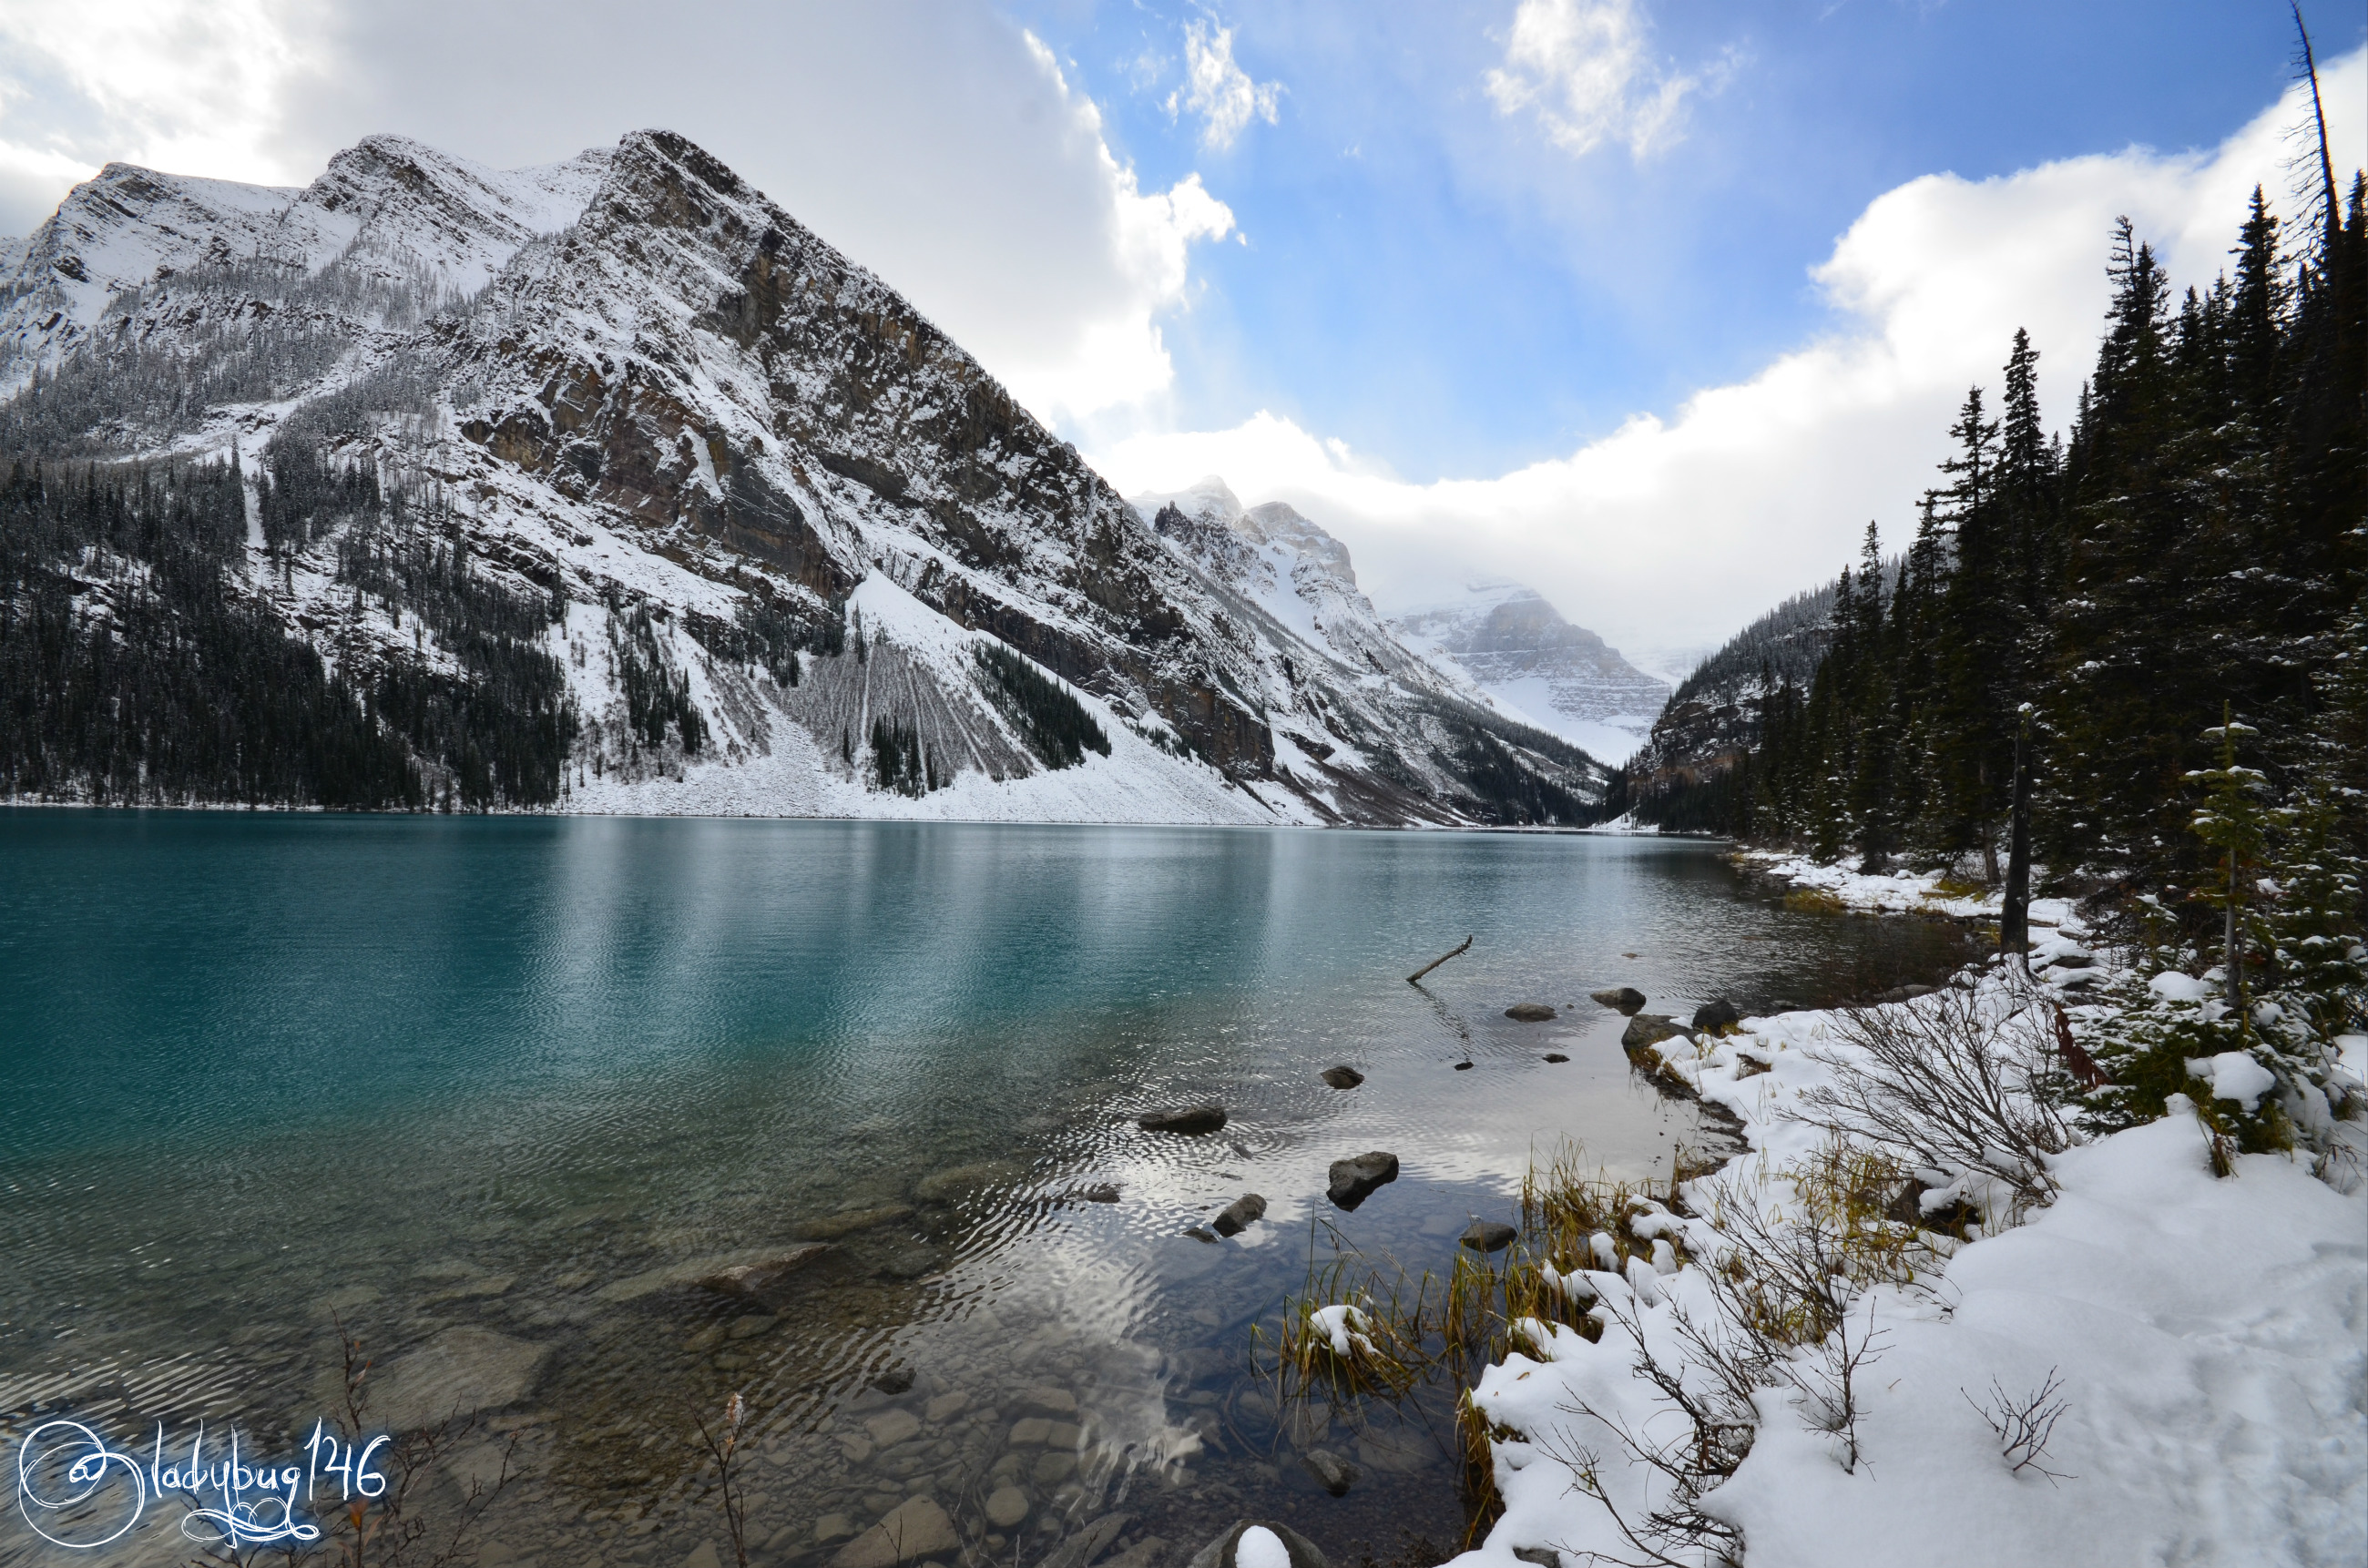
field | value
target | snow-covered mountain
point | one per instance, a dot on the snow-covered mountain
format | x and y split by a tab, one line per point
1538	667
781	527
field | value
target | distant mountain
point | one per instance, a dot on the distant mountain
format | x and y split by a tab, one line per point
607	486
1534	664
1712	718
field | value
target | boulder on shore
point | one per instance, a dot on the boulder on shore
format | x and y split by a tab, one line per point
1626	998
1648	1029
1529	1012
1343	1077
1716	1016
1356	1179
1239	1215
1194	1120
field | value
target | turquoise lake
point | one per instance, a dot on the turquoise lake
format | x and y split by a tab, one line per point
502	1090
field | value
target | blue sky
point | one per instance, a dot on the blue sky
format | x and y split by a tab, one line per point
1651	304
1432	279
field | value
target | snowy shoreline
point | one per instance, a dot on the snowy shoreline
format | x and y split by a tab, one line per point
2207	1337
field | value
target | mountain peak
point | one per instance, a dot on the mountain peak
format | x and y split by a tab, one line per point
801	551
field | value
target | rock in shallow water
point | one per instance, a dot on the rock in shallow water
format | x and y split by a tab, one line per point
750	1279
1626	998
1336	1474
1239	1215
463	1370
1489	1235
1529	1012
1343	1077
1556	1056
916	1528
1195	1120
1354	1180
1648	1029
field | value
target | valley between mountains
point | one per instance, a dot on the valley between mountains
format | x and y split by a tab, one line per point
607	486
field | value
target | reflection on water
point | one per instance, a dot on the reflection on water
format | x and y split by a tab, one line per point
499	1093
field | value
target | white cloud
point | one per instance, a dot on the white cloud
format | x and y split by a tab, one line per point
1219	91
1581	67
194	84
1678	531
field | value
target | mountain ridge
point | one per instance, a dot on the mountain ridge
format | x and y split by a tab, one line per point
712	442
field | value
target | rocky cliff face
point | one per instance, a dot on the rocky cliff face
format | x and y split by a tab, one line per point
1517	648
753	479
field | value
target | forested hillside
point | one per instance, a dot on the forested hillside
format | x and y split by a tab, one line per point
138	665
2194	547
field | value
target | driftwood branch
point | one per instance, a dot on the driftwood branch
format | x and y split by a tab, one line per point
1441	958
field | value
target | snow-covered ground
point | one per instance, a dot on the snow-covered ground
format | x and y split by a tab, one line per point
1899	892
2209	1335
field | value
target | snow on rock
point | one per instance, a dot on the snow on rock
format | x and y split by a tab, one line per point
2210	1335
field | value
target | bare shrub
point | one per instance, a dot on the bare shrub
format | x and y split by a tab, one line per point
1954	1081
1779	1317
2023	1425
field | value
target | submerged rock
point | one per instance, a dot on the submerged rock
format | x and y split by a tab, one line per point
1343	1077
1193	1119
1354	1180
1080	1550
748	1279
1529	1012
1556	1056
1101	1192
916	1530
1489	1235
830	1227
1267	1541
1626	998
1463	1066
1238	1215
1334	1473
463	1370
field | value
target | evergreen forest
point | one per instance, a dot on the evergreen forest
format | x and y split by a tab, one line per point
2104	616
145	659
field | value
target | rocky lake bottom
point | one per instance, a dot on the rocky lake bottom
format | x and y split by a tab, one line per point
582	1128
